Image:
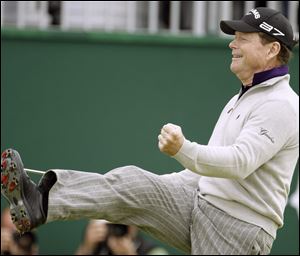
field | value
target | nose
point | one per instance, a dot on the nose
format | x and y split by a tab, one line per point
232	44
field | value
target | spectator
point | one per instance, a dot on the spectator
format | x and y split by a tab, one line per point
54	10
104	238
12	242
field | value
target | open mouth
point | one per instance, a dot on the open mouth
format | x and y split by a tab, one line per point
236	56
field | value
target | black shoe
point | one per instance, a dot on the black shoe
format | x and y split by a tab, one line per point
23	195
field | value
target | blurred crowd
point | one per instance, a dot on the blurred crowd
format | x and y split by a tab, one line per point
99	238
54	10
12	242
104	238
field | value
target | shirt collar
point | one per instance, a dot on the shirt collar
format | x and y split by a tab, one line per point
264	76
268	74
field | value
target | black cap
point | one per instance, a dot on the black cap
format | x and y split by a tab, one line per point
263	19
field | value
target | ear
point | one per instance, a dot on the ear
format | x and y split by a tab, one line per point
274	49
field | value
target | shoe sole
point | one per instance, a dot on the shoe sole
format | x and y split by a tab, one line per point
11	188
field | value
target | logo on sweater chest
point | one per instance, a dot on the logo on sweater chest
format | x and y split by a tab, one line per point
265	132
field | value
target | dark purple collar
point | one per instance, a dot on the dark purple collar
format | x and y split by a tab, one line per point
265	75
268	74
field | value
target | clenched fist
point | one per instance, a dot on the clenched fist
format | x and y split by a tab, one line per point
170	139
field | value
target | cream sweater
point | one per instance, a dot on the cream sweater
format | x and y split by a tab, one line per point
247	167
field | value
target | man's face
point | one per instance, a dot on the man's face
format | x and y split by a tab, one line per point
249	55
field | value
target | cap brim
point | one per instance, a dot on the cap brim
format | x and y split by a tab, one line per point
230	26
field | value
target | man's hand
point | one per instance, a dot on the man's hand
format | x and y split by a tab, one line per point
7	242
170	139
95	233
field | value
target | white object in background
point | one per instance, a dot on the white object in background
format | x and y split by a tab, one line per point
294	199
249	5
153	17
212	17
225	13
276	5
199	18
32	14
293	8
174	17
131	13
34	171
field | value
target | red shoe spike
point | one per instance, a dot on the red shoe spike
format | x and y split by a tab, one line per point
4	179
4	164
12	186
4	154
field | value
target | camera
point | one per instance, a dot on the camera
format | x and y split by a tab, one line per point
25	242
113	230
117	230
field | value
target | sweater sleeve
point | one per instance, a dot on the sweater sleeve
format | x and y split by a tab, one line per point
264	133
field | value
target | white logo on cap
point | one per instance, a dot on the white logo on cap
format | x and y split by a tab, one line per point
255	13
269	28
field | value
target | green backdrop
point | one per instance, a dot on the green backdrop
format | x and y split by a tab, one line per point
96	101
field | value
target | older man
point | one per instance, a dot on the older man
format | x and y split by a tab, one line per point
231	197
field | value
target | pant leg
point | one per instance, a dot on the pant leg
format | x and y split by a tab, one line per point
262	244
187	177
161	205
214	232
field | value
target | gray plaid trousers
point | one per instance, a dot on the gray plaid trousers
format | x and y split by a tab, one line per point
165	206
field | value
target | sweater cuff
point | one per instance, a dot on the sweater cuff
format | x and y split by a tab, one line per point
187	154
